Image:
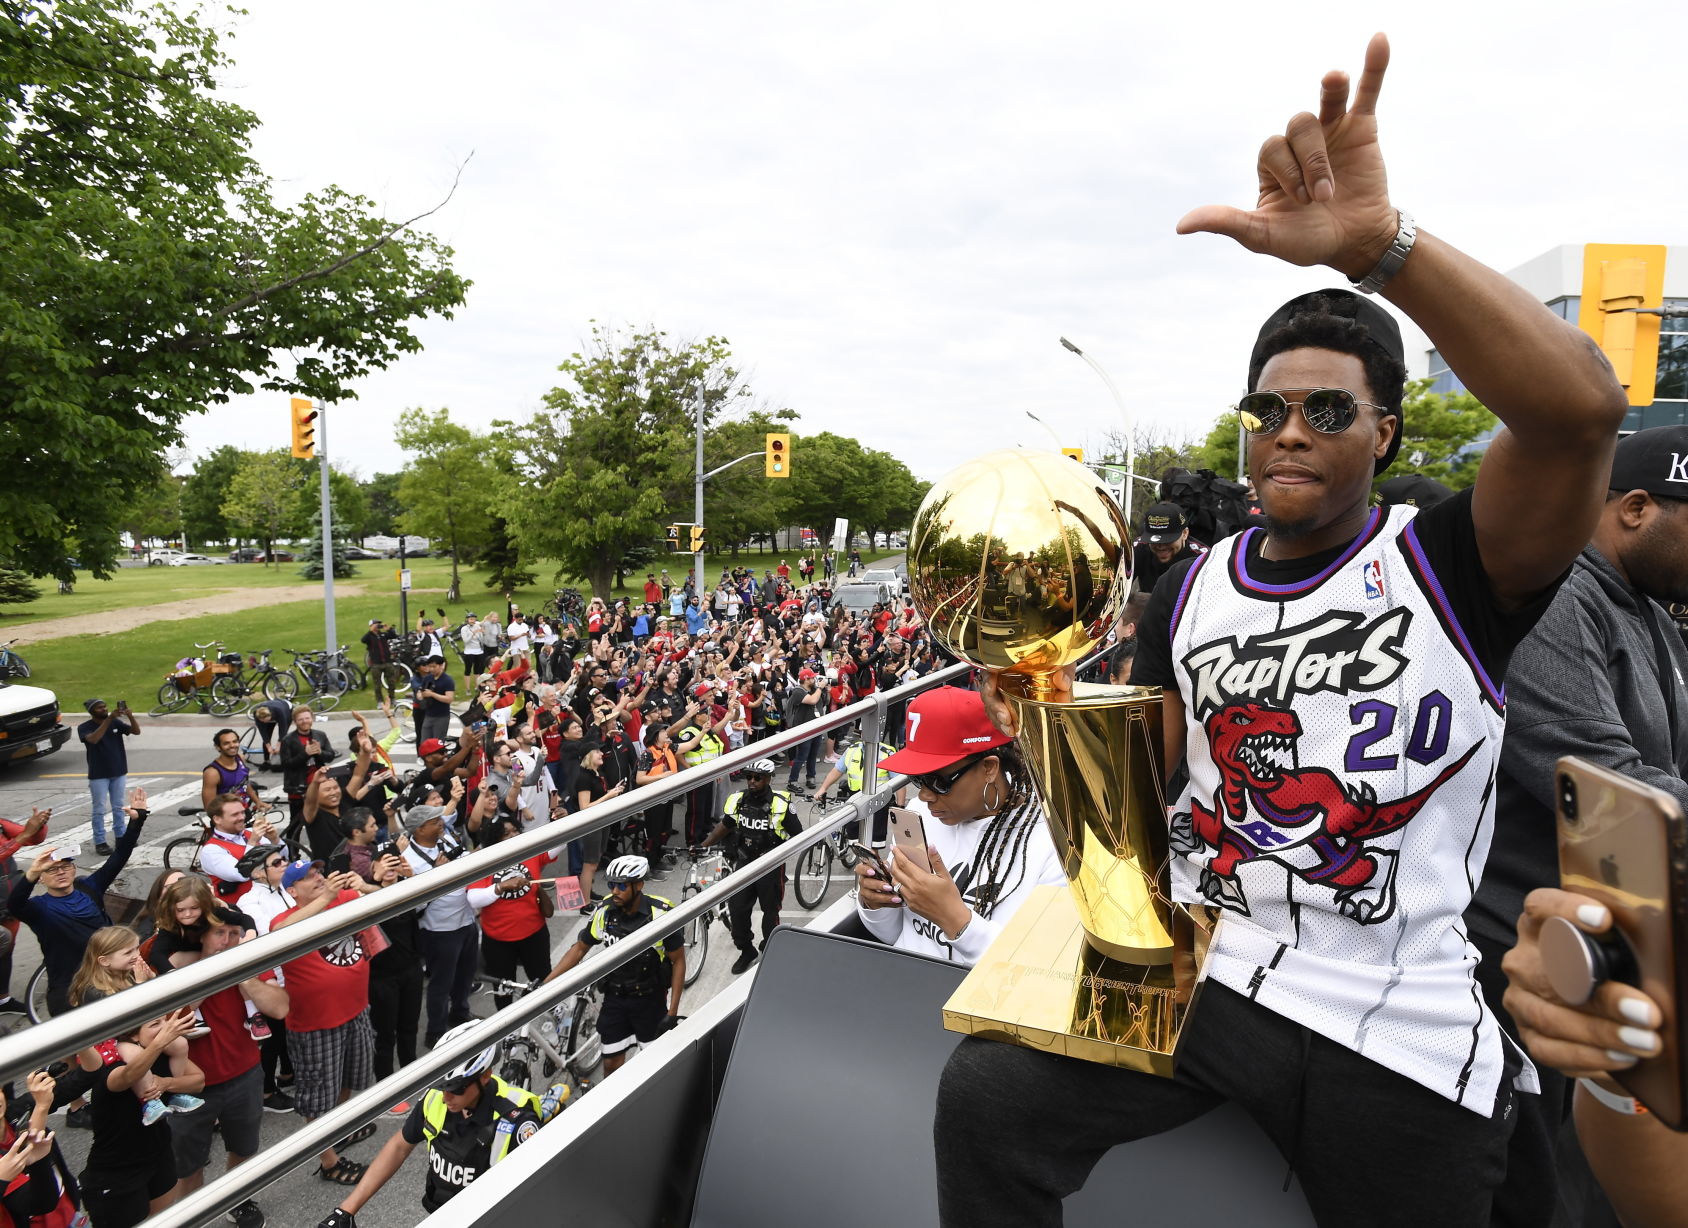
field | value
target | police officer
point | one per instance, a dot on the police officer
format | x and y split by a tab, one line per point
469	1121
849	766
634	993
757	818
699	741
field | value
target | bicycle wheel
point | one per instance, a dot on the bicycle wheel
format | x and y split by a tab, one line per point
396	678
279	685
20	667
585	1049
696	935
404	712
35	997
171	698
182	853
333	681
228	695
355	675
814	875
323	701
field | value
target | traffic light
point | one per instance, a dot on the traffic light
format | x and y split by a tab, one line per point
303	416
776	459
673	539
1622	281
697	538
1076	453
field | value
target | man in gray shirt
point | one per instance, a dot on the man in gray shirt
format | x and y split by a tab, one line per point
448	933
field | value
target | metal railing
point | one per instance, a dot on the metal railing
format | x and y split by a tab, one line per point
51	1039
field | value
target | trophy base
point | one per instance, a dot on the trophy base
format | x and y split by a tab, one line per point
1042	985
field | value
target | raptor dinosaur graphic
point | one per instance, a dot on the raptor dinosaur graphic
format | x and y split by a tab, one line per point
1305	819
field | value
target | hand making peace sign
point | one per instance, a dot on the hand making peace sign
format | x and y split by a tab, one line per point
1324	197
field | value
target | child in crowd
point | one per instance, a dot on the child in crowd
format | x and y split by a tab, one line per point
112	963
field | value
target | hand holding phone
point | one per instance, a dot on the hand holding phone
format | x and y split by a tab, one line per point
909	835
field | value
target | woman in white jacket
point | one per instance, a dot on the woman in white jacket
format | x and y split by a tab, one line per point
984	828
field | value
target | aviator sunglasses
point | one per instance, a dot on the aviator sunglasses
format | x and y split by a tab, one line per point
1330	411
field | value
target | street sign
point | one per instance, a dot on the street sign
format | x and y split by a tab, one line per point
404	579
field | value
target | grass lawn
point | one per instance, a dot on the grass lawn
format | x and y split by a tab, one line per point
132	664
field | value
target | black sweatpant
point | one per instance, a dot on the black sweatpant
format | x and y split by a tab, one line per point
769	892
659	826
501	959
1019	1129
273	1054
395	1012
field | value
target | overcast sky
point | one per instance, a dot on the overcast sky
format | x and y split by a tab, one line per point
893	211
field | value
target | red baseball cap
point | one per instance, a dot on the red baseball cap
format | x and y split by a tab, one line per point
943	727
429	746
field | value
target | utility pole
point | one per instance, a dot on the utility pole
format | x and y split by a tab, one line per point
327	536
1125	417
697	512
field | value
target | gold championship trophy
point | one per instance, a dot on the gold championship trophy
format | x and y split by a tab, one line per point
1018	562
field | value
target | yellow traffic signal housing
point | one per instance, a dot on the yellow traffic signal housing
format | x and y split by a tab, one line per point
674	539
303	416
697	538
776	460
1619	278
1076	453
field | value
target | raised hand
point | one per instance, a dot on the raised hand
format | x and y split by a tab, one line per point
1324	197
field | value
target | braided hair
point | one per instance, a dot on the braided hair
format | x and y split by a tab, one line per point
1003	846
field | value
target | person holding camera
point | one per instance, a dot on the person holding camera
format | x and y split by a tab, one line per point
102	737
378	652
230	840
433	690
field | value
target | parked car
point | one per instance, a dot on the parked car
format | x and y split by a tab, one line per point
162	558
195	560
358	552
29	722
246	554
860	598
276	556
897	578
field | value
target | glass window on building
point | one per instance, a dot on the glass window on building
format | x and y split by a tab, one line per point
1672	382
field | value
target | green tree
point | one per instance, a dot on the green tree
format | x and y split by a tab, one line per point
381	503
16	587
263	498
205	490
896	493
345	493
612	462
506	570
1217	450
150	272
448	486
155	510
742	503
831	475
1437	434
312	570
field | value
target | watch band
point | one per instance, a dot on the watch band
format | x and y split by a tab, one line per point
1406	234
1627	1105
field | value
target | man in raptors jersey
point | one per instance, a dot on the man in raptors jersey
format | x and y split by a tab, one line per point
1333	711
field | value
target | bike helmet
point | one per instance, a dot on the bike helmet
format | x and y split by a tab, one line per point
253	859
470	1067
761	767
629	867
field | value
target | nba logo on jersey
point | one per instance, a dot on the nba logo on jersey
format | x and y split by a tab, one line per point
1372	573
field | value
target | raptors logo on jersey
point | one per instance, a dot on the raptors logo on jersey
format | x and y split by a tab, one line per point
1342	738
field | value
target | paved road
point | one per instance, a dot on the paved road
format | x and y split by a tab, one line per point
166	759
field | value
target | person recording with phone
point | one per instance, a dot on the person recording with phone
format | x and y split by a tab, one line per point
1641	1164
985	837
1600	676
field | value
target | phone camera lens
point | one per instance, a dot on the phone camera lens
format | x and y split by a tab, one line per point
1568	798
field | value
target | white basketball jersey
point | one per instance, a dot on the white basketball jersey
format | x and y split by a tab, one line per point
1342	746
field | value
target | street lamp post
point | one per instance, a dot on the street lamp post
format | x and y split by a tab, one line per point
1125	417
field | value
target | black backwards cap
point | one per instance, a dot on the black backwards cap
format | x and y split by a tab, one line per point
1381	332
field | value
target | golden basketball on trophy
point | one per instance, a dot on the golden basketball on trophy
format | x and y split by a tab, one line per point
1019	563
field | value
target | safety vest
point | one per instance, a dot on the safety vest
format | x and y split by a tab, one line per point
709	748
516	1113
640	976
755	832
853	771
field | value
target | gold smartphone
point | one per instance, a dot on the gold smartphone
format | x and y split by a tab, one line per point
909	835
1625	844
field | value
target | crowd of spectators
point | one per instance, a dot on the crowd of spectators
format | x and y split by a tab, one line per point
555	716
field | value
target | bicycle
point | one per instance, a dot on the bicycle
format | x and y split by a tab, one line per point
326	683
266	679
11	664
706	868
814	864
563	1041
194	681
